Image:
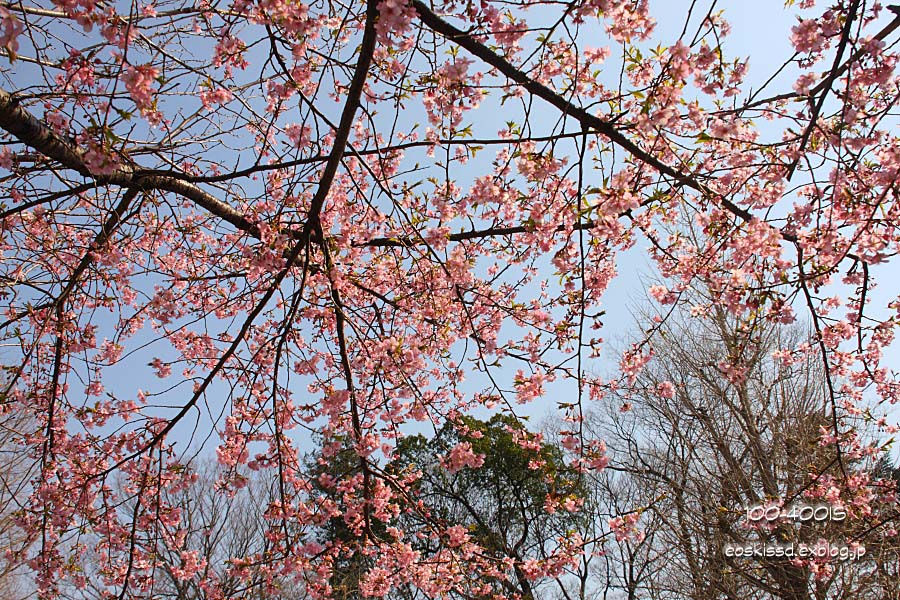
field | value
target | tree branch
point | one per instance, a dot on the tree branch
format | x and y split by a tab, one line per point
587	120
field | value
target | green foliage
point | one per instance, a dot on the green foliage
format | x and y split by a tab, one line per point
502	503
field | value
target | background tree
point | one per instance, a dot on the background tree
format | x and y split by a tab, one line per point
329	477
491	486
502	487
724	419
209	530
14	485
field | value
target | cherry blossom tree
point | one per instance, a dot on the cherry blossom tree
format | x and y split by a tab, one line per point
252	225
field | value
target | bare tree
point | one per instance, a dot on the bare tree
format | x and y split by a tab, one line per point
15	472
719	423
225	534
